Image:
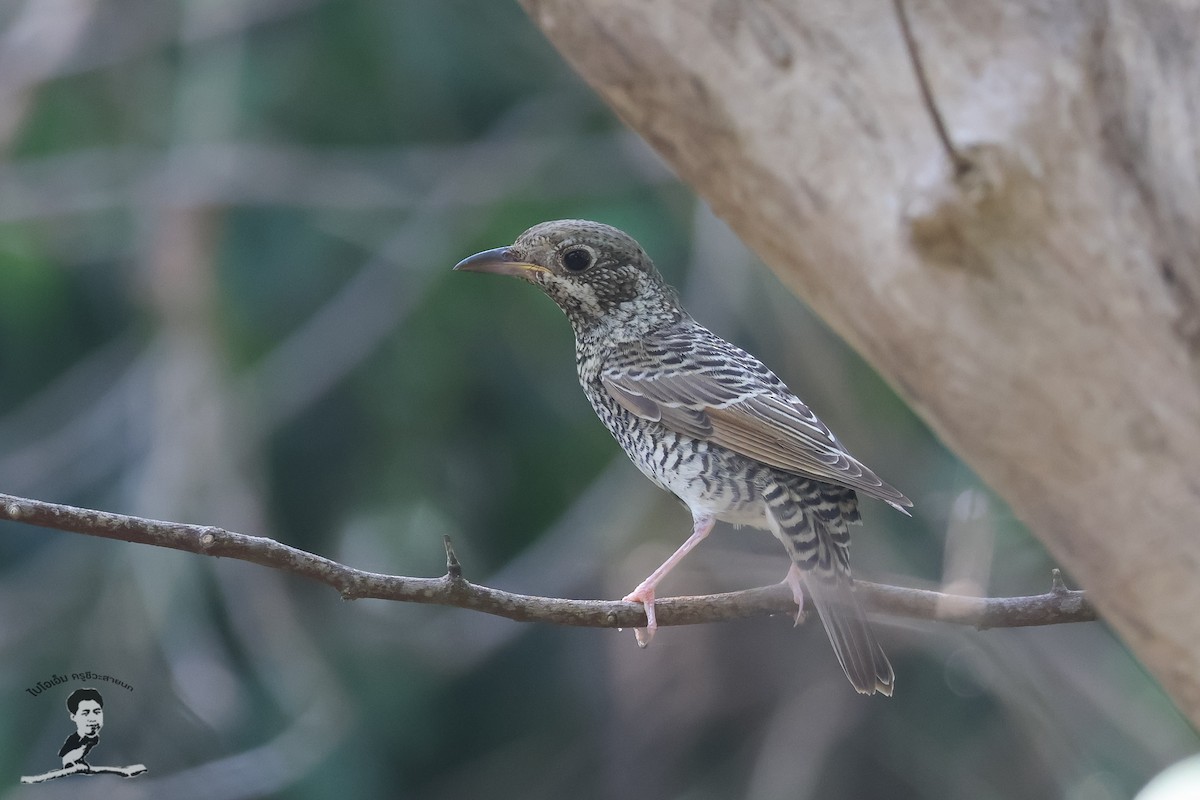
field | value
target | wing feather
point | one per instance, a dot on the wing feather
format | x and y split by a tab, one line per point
720	393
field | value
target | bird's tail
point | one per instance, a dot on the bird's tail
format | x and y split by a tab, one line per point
814	530
850	633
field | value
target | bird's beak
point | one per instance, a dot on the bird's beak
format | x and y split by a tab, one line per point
499	261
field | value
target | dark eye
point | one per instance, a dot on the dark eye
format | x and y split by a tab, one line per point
576	260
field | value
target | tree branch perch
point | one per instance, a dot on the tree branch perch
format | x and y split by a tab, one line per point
1059	605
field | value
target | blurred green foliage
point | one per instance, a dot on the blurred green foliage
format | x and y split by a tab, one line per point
226	233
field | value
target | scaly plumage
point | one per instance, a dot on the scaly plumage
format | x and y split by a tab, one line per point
706	421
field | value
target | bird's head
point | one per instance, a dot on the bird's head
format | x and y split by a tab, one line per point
598	275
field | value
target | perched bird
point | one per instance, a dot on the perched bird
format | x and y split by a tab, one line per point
706	421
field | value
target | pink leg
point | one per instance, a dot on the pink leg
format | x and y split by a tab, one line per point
796	584
644	593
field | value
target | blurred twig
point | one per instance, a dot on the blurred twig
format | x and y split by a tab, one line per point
41	37
1059	605
245	173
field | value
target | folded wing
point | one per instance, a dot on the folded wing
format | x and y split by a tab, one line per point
714	391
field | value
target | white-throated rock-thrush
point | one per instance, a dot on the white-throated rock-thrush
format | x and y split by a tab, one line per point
706	421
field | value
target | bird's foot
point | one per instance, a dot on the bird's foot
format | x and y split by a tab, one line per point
796	584
644	595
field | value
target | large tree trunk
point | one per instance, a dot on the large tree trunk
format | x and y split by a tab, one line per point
1033	290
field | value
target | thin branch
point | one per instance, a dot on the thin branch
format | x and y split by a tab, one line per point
97	180
1059	605
962	164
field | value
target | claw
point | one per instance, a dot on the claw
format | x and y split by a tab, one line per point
645	596
796	584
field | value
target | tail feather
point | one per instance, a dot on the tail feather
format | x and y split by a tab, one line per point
851	635
811	519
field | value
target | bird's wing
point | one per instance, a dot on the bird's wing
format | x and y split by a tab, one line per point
701	386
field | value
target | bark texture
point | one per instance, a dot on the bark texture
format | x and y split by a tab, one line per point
1033	289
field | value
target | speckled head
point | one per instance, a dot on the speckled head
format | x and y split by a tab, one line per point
600	276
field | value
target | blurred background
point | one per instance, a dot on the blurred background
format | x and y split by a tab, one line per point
226	234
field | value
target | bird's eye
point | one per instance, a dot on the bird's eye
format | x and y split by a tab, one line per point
576	259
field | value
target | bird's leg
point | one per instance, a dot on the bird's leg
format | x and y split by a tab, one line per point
644	593
796	583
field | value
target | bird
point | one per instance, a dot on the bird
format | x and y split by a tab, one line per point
708	422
